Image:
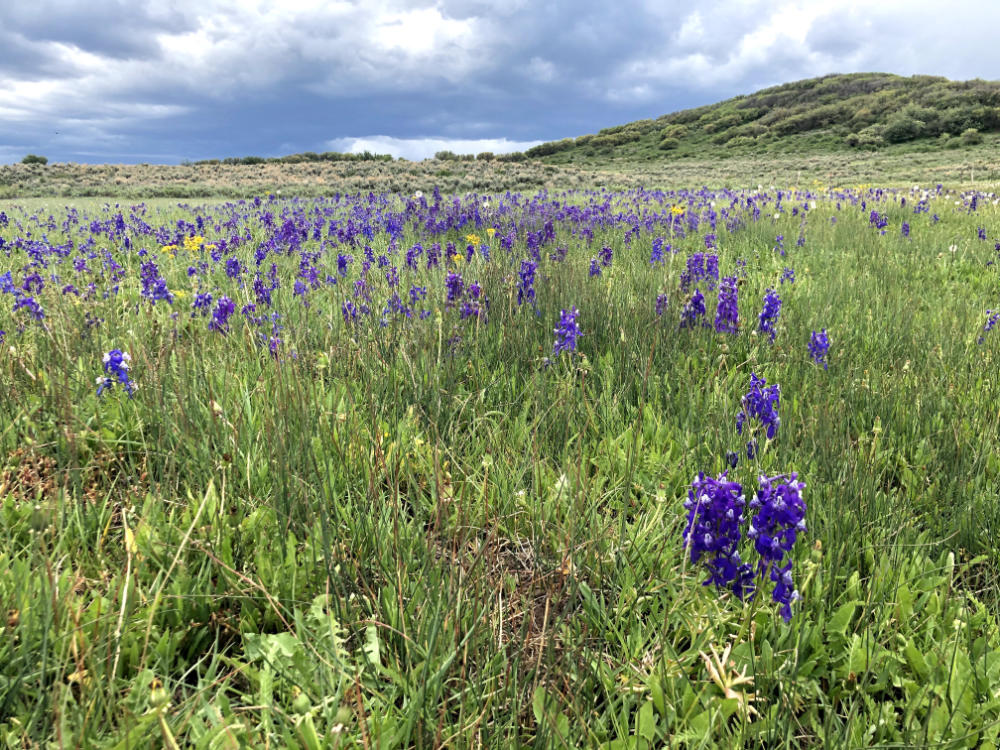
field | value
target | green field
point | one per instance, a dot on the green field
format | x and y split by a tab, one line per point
423	526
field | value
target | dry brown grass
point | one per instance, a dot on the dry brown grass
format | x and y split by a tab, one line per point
305	179
970	167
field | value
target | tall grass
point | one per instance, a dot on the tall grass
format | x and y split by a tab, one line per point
438	533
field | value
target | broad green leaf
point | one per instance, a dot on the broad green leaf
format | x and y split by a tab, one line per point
840	619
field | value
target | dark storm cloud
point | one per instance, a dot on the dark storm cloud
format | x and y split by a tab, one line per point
106	80
116	30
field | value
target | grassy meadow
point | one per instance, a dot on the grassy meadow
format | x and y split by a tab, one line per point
364	480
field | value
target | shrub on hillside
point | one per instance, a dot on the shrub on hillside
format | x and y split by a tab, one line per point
674	131
971	137
901	128
871	137
947	140
34	159
551	147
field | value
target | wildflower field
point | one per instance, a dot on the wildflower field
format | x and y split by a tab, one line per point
631	469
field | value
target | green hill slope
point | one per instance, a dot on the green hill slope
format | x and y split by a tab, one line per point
827	114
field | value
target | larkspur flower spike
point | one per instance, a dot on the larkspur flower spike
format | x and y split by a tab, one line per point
713	532
779	517
819	347
760	404
770	314
116	364
567	332
727	314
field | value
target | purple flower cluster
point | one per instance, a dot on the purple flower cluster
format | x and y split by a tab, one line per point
769	315
760	405
154	286
661	304
727	313
693	310
700	267
779	517
22	301
658	249
526	282
453	283
224	308
475	304
567	331
714	529
992	318
115	365
819	346
33	282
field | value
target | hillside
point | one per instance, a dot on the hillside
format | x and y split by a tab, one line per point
835	113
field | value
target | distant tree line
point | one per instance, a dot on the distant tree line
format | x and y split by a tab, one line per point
482	156
307	156
334	156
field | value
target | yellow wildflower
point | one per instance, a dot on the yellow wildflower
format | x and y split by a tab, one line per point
194	242
473	239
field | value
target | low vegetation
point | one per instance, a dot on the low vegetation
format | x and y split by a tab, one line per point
866	111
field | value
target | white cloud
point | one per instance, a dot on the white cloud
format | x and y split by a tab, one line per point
540	69
416	149
104	70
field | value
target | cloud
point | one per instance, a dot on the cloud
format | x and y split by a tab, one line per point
416	149
230	77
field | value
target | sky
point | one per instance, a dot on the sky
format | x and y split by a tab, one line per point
163	81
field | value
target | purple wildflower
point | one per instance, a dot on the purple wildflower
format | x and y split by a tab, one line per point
526	282
727	312
712	534
779	517
455	287
661	304
769	315
760	404
992	318
116	365
819	346
693	310
224	308
567	332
